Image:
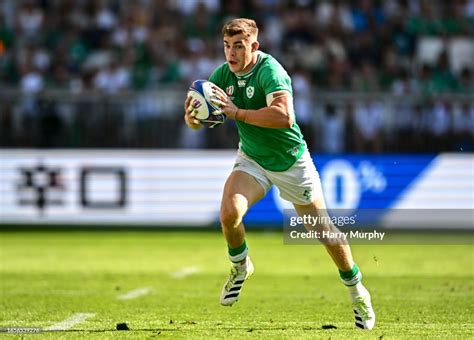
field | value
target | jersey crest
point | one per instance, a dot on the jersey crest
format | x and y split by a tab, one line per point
230	90
250	91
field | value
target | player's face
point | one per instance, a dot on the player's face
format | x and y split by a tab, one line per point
239	53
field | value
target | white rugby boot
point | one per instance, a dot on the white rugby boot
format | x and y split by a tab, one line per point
364	313
238	275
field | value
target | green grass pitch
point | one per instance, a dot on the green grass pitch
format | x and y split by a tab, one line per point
418	291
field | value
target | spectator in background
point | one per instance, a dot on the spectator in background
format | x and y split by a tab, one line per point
31	83
201	23
403	85
332	130
365	78
466	81
304	107
104	19
402	113
113	79
424	82
440	126
129	32
189	8
367	16
443	79
368	122
200	62
329	13
363	48
463	127
420	137
272	29
403	40
423	22
30	19
32	80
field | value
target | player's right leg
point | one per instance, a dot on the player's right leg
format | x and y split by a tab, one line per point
241	191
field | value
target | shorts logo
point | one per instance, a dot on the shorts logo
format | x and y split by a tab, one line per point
230	90
293	151
308	194
250	91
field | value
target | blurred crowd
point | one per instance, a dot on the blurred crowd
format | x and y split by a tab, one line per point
402	47
113	45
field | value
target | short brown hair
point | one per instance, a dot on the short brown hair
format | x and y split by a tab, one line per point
247	27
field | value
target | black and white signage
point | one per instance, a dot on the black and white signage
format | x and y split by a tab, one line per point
99	187
103	187
40	186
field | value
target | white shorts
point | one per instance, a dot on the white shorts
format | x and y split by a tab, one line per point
300	184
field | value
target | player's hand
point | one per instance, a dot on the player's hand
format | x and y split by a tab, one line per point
220	99
189	114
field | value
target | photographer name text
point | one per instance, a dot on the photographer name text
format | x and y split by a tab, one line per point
312	234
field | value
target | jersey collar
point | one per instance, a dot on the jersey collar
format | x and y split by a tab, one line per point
250	72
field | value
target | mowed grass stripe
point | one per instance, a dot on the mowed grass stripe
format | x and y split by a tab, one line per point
133	294
70	322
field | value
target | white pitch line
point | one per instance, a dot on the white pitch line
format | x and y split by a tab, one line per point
133	294
184	272
70	321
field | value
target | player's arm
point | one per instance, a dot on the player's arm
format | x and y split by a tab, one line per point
279	114
189	113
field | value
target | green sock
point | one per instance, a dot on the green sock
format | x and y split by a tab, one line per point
351	277
238	254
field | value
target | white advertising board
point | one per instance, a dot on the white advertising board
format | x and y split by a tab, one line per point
112	186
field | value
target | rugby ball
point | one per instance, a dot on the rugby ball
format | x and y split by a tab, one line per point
201	91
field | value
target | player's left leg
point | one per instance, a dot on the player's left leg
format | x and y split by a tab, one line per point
340	252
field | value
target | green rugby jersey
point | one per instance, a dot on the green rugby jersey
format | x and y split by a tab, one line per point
273	149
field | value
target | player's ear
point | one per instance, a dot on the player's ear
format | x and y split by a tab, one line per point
255	46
